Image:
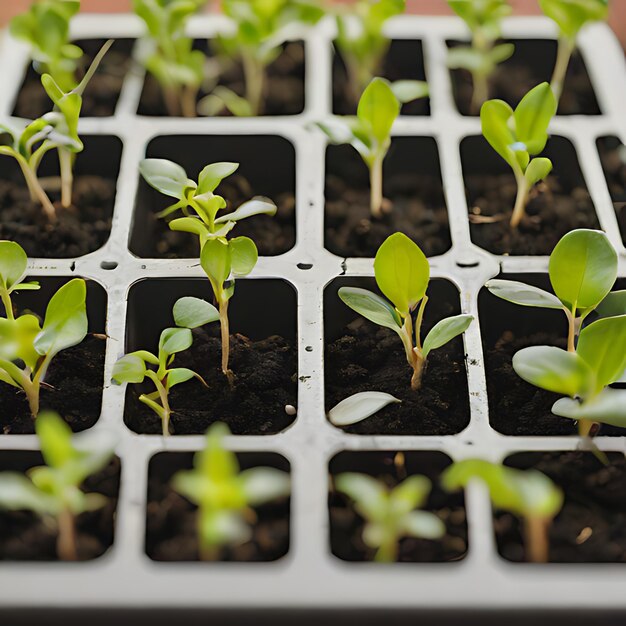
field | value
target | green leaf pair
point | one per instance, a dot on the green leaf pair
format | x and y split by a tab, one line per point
571	15
402	274
391	514
134	367
224	494
517	135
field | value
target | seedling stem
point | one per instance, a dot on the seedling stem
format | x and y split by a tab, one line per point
536	538
66	538
563	56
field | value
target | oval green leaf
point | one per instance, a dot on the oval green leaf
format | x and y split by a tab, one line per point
371	306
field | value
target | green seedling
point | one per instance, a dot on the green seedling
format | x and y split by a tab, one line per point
224	495
369	133
583	269
483	18
53	491
529	494
519	135
172	60
26	347
583	375
135	367
260	29
220	257
45	27
570	16
360	406
360	39
402	274
56	130
390	514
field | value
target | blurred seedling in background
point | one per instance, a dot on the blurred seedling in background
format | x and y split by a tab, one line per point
517	136
26	347
53	491
369	133
483	18
225	495
402	274
221	258
528	494
391	514
135	367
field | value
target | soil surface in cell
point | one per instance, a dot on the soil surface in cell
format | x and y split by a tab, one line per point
72	388
284	88
613	157
513	79
517	407
273	235
171	530
404	61
102	92
553	210
265	383
25	537
346	525
414	206
80	229
369	357
591	527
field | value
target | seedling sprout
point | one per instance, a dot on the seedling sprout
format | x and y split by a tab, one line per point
483	18
529	494
360	406
226	496
26	347
519	135
134	367
220	257
53	491
402	274
391	514
369	133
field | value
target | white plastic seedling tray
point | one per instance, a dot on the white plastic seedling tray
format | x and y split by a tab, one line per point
309	575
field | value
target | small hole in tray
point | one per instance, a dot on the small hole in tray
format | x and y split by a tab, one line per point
309	348
305	266
468	263
108	265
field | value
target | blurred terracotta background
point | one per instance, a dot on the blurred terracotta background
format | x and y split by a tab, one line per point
8	8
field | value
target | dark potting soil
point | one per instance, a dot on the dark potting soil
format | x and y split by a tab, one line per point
171	528
26	537
613	157
346	526
101	95
284	89
403	61
555	208
366	357
80	229
265	382
273	235
531	64
415	204
591	527
73	388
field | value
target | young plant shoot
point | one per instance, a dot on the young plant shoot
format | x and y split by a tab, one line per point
260	29
134	367
519	135
172	60
56	130
529	494
402	274
360	39
570	16
45	27
483	18
220	257
369	133
53	491
224	495
583	269
390	514
360	406
26	347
